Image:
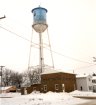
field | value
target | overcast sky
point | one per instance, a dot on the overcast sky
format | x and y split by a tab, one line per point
72	31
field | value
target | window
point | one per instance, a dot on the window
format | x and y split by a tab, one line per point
56	86
90	87
45	87
93	81
89	79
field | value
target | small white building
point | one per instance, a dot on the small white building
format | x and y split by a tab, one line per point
94	83
8	89
84	82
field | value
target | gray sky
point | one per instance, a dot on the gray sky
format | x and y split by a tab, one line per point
72	31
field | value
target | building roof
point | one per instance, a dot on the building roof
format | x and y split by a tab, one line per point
51	71
39	8
82	75
5	88
94	78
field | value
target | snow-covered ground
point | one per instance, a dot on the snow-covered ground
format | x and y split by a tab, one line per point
36	98
83	93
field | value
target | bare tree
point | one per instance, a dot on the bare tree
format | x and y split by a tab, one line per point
11	77
6	77
16	79
32	76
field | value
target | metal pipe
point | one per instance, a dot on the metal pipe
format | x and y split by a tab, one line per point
41	52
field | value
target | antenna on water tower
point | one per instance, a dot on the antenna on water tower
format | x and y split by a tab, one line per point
40	25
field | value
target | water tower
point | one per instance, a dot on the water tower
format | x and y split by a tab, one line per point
40	26
39	19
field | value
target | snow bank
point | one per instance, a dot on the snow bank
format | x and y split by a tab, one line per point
82	93
36	98
10	94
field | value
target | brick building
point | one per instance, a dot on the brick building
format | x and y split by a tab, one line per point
54	81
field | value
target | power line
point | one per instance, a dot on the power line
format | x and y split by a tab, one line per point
46	48
14	21
17	34
71	58
14	33
85	67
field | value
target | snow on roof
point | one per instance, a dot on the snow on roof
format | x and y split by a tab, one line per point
94	78
50	71
5	88
82	75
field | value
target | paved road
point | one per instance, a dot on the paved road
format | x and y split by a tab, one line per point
91	102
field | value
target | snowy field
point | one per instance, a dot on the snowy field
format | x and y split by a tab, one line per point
37	98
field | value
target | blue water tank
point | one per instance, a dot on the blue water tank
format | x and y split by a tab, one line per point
39	15
39	19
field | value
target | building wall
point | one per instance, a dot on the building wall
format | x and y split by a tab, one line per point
28	90
89	83
50	80
81	84
70	82
55	82
65	81
84	83
94	83
94	88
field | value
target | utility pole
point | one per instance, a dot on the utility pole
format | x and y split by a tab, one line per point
1	73
3	17
2	66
